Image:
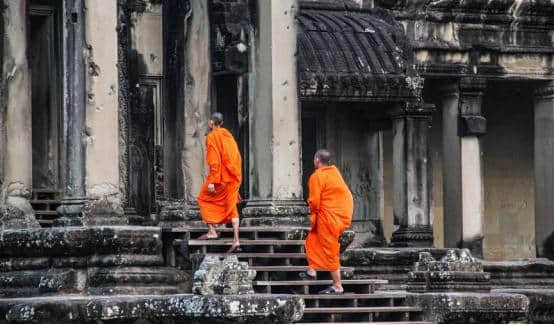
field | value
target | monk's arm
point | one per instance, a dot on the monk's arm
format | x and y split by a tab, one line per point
214	161
314	198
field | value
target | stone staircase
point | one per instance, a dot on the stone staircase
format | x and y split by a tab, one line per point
277	254
44	203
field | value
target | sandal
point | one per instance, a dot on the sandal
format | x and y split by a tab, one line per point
331	291
306	276
234	249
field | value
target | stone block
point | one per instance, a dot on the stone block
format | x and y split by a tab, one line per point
135	280
456	271
541	303
177	308
223	276
471	307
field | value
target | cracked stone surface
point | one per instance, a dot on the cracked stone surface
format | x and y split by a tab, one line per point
178	308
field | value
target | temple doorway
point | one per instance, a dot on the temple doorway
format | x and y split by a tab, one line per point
47	107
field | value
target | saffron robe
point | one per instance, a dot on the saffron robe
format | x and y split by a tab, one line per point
331	206
225	163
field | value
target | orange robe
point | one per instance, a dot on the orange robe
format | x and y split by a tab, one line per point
331	205
223	158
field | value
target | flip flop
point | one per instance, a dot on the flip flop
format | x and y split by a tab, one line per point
234	249
331	291
305	276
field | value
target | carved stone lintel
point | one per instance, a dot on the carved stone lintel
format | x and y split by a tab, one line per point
465	86
416	109
273	213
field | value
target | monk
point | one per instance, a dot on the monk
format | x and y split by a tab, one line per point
331	206
219	195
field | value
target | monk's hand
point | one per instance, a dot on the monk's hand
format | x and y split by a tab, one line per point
211	188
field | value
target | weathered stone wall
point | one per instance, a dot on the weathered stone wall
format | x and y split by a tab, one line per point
102	110
508	172
483	37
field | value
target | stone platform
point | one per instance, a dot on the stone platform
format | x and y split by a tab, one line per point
178	308
471	307
86	260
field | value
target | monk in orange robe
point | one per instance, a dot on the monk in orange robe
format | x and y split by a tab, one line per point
331	206
219	195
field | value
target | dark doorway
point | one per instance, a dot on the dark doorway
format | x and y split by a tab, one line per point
312	135
44	66
144	138
227	100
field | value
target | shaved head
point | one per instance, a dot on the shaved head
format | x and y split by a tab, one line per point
324	156
217	118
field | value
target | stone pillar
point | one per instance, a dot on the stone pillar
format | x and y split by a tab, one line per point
15	210
74	113
376	191
412	177
462	164
103	204
544	170
193	110
275	171
198	69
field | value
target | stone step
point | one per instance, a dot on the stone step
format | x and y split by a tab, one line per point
352	323
348	296
46	190
245	242
314	286
281	272
261	255
350	310
241	229
289	268
46	222
319	282
46	212
45	201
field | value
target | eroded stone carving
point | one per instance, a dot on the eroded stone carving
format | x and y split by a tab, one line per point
456	271
227	276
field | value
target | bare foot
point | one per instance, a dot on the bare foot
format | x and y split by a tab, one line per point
208	236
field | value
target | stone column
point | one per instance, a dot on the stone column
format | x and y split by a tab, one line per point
198	93
74	113
193	110
275	171
376	191
412	177
103	204
15	210
462	164
544	170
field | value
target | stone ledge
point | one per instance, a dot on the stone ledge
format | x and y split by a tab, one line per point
80	241
471	307
183	308
541	303
522	273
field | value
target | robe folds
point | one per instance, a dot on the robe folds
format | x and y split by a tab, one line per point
225	163
331	206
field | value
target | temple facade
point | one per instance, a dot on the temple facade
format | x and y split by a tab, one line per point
440	114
